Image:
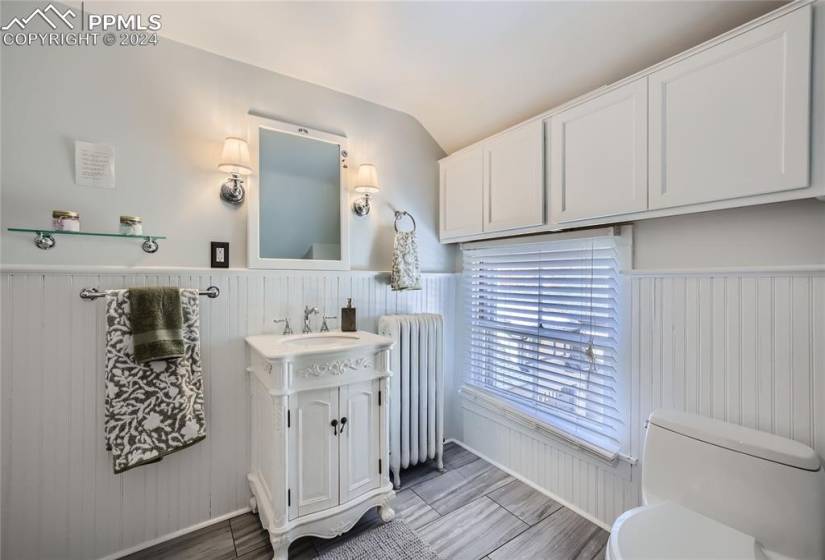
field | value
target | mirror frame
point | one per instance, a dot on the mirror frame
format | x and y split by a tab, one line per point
254	259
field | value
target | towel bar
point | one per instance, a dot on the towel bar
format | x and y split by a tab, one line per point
93	293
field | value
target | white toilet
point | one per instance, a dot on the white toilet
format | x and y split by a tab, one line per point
713	490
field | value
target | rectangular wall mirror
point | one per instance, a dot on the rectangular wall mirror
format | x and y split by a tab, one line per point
298	215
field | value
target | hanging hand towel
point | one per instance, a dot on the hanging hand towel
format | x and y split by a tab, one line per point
155	408
156	319
406	273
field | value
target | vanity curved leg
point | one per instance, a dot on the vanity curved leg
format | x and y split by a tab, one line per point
386	512
280	548
253	504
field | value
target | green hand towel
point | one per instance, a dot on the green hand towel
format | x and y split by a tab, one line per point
157	323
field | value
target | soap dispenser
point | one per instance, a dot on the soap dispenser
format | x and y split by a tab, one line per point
348	317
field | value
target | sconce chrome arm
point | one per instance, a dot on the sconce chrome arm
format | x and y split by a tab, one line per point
361	206
232	190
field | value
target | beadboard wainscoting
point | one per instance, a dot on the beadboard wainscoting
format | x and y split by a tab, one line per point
747	347
60	498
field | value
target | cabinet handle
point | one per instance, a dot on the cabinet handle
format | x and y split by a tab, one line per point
334	425
343	424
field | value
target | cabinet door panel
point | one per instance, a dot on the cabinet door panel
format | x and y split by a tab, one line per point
733	120
360	439
461	188
316	451
514	182
598	156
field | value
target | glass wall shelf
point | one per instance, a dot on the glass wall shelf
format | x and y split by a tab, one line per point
44	238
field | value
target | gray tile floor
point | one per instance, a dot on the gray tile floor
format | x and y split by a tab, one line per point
472	511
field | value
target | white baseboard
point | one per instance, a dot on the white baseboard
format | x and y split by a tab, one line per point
174	535
533	485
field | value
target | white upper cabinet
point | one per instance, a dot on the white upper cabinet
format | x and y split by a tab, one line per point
733	120
514	179
462	179
725	124
598	156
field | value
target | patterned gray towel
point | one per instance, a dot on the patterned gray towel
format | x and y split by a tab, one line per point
155	408
406	272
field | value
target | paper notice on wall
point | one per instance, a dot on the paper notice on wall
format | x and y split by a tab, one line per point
94	165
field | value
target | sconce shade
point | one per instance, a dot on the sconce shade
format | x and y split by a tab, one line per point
235	157
367	182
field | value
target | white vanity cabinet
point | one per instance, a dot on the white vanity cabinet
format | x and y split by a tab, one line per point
313	468
598	156
733	120
319	432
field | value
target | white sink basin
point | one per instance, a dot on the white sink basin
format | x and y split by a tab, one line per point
317	341
274	347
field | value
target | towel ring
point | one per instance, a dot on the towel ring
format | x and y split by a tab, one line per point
399	215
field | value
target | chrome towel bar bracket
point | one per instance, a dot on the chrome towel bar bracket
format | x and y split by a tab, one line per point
93	293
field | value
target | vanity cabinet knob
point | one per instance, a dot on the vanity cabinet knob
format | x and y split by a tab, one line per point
343	424
334	425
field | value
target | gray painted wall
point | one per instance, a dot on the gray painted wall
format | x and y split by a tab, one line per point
783	234
167	109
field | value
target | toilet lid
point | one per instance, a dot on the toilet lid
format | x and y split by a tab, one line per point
669	531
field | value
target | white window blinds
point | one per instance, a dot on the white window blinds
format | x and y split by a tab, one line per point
543	334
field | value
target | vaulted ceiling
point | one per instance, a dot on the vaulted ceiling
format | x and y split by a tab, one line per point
463	69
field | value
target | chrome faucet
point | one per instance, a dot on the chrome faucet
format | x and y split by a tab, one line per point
324	326
307	312
285	321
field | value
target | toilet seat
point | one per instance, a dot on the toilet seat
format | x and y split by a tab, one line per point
670	531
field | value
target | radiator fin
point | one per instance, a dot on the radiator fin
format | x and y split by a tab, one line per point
416	399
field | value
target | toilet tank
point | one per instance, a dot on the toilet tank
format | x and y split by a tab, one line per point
769	487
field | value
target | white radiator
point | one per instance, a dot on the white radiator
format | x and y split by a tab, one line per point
416	390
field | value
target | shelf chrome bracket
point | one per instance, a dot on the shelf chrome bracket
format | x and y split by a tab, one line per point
44	241
150	245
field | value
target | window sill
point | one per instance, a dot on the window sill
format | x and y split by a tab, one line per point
514	412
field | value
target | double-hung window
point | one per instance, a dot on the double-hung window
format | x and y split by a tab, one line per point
544	333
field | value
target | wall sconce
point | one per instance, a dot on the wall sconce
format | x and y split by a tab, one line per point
366	184
234	160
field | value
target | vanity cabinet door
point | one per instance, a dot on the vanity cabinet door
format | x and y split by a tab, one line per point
315	458
598	156
462	182
360	439
514	179
733	121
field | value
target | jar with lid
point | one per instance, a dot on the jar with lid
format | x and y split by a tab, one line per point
65	220
131	225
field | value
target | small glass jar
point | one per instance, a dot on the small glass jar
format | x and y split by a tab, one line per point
131	225
65	220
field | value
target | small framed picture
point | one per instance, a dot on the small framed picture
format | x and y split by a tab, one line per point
220	254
